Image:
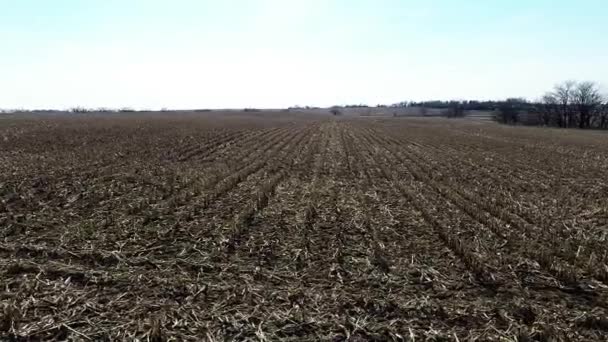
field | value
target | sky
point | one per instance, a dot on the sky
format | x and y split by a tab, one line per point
277	53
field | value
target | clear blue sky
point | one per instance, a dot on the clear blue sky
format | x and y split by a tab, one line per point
276	53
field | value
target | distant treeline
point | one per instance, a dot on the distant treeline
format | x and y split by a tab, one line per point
569	105
466	105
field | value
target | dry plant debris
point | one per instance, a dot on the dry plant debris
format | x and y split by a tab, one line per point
274	226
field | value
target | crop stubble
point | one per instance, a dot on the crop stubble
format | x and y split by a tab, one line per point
300	228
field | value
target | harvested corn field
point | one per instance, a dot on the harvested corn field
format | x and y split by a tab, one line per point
275	226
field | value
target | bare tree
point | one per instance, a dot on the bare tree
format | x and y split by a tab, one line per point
601	114
587	100
574	104
564	96
80	110
509	111
549	110
455	110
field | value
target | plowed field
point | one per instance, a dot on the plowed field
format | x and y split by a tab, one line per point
280	227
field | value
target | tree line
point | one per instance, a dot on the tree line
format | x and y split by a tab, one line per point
569	104
574	104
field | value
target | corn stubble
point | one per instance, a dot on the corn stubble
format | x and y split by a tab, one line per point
275	226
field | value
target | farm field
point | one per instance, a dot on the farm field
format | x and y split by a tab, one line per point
275	226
